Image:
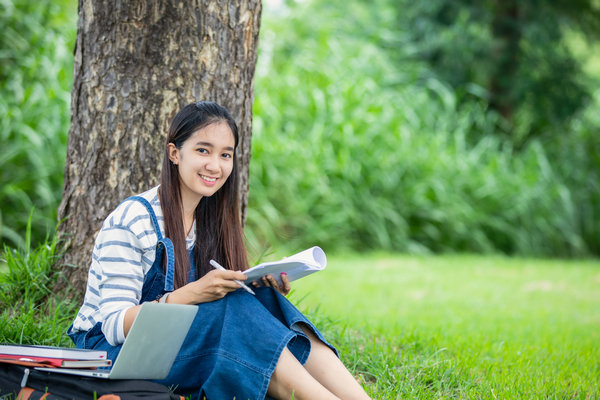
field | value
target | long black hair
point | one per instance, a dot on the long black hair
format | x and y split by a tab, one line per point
219	233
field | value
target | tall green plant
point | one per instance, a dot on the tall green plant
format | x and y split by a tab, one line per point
30	312
351	149
36	42
576	157
350	152
513	56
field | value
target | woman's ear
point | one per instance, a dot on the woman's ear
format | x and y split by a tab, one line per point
173	153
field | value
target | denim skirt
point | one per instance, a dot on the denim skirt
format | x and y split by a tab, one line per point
233	346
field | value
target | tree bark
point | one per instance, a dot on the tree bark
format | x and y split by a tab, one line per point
137	63
506	57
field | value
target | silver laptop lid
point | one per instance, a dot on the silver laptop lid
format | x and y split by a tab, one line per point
153	341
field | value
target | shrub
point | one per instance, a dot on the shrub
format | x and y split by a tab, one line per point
36	64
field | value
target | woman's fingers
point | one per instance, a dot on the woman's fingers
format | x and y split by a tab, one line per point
212	286
230	284
269	281
229	274
285	287
216	284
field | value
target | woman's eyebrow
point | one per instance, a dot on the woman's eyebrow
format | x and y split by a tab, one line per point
209	144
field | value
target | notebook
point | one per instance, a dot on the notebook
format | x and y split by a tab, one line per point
151	346
296	266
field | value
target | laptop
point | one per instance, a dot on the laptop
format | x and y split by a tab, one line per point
151	346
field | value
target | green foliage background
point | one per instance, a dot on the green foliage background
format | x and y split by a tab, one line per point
36	73
517	56
361	141
353	150
357	143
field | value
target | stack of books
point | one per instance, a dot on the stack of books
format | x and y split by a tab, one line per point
48	356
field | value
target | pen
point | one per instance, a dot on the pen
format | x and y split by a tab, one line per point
242	284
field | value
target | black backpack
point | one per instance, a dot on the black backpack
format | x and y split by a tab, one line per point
22	383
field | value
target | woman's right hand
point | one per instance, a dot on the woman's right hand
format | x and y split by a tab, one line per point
212	286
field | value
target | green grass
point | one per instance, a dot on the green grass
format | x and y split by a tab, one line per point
419	327
30	311
462	326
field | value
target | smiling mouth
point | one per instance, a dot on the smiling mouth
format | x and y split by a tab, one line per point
208	178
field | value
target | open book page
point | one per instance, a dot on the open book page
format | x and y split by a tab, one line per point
297	266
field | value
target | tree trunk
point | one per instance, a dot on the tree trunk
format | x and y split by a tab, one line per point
506	57
137	63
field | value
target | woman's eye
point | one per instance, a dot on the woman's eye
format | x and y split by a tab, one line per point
201	150
227	155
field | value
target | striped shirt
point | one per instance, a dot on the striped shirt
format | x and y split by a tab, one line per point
123	254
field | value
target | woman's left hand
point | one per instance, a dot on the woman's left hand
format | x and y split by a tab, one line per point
269	281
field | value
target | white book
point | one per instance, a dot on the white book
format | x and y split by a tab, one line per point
296	266
65	353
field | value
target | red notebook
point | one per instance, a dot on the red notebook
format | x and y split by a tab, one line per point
53	362
65	353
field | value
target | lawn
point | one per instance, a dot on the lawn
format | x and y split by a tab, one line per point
468	327
461	326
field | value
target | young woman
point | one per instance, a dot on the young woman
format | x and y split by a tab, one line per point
156	247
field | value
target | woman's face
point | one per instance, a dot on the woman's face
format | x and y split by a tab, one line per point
205	161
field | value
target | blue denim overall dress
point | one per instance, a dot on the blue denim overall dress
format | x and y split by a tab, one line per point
234	343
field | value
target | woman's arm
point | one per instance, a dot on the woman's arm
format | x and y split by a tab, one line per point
122	254
130	315
212	286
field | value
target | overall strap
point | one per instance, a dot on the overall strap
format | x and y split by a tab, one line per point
170	276
148	206
163	243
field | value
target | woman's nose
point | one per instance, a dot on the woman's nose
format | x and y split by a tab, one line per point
212	164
